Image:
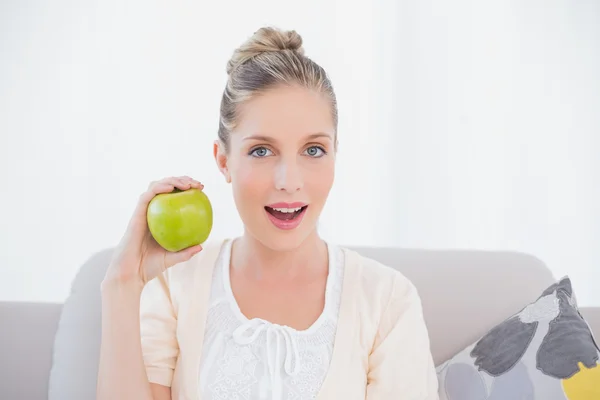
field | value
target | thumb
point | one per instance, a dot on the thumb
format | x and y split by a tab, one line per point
173	258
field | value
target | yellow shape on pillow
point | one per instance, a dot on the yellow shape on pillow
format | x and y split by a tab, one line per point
584	385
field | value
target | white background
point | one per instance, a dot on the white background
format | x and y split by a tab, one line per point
475	124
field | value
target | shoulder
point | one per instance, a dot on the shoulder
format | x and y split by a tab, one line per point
377	278
380	290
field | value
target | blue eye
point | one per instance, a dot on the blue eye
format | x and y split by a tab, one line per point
316	151
260	152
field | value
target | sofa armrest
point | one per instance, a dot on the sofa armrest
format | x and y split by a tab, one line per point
26	341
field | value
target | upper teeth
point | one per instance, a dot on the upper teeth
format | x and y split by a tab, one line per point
287	210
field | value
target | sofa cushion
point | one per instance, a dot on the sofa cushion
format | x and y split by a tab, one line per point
77	342
544	352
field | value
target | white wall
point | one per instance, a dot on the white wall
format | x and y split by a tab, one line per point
476	125
493	119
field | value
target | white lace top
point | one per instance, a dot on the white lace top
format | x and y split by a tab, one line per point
255	359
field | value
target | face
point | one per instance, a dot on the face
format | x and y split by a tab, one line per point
281	164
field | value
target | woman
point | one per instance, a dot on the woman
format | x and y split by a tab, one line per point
277	313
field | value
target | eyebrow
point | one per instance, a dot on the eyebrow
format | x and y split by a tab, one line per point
270	139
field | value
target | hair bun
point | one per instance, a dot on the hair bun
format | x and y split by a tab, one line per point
265	40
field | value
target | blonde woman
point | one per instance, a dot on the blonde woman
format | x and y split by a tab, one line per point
277	313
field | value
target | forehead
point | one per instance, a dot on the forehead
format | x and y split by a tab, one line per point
289	111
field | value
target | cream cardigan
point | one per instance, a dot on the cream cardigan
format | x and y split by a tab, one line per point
381	348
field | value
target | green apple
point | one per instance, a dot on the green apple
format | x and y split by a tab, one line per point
180	219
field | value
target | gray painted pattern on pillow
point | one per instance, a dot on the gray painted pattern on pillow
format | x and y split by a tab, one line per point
562	285
503	346
568	341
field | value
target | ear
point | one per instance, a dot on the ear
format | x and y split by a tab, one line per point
221	159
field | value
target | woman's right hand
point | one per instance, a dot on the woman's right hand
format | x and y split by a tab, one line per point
138	258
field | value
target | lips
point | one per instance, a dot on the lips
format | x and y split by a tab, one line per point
286	215
296	204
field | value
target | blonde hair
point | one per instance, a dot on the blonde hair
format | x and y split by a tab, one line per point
269	58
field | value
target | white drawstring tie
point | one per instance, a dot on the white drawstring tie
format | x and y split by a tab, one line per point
274	333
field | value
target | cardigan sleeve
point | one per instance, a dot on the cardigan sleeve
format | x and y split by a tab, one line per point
401	366
158	324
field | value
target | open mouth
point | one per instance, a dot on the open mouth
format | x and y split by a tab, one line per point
286	214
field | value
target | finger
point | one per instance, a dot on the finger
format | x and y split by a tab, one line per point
172	258
197	185
192	182
152	187
177	182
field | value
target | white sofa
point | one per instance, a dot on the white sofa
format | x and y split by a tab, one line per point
465	293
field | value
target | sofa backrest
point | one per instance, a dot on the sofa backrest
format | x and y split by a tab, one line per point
464	294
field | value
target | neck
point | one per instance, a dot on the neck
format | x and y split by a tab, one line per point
252	257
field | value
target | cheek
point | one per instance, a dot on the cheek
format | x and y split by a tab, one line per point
321	178
249	182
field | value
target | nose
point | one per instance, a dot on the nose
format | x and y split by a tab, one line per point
288	176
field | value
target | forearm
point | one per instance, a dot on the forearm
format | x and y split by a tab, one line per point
122	374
